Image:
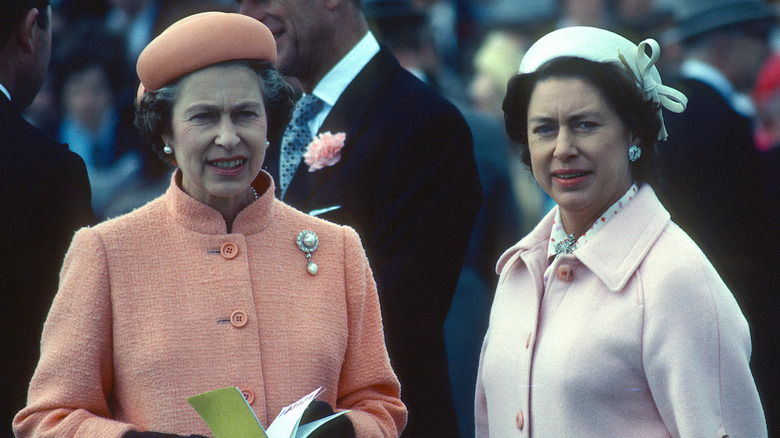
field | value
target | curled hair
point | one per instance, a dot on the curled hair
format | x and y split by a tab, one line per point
154	111
620	92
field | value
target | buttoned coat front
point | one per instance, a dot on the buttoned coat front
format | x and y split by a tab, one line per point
163	304
633	335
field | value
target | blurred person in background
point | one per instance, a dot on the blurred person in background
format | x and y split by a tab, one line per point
93	89
44	199
405	30
138	21
766	95
713	181
584	13
494	62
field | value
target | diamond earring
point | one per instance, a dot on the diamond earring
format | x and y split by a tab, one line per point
634	152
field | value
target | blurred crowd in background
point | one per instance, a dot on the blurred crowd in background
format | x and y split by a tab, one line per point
466	49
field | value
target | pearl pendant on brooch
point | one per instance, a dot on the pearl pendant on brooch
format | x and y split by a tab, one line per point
308	243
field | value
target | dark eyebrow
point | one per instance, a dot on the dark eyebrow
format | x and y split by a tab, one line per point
206	107
573	118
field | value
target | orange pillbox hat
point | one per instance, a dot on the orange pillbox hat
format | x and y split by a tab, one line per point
201	40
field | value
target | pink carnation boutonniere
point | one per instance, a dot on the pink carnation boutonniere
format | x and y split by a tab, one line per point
324	150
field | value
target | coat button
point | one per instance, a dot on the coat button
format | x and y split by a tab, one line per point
564	273
249	395
229	250
238	318
520	420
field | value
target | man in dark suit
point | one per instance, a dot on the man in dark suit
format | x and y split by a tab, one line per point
406	181
44	198
712	181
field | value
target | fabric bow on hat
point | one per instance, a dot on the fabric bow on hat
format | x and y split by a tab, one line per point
668	97
601	45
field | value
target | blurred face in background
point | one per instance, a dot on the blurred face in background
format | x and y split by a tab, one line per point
87	97
299	28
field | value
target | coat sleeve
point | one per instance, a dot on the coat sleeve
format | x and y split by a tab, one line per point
70	389
368	386
696	352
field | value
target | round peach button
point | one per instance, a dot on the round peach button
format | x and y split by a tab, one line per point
229	250
238	318
520	420
249	395
564	273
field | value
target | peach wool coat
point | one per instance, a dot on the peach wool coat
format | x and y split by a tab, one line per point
162	304
634	335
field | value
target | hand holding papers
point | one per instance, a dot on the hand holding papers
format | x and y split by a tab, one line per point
228	415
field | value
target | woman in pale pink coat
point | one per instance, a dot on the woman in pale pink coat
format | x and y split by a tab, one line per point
608	321
216	283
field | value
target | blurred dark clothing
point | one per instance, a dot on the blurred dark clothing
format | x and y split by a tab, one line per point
713	184
45	198
497	228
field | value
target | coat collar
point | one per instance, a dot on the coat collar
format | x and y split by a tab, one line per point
615	252
200	218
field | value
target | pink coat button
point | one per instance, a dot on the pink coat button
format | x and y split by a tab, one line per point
238	319
229	250
249	395
564	273
520	420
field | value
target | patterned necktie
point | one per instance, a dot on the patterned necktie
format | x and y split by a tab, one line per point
297	137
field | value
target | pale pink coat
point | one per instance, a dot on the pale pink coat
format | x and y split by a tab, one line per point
142	320
634	335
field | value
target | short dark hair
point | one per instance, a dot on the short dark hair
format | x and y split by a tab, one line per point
619	90
12	11
154	110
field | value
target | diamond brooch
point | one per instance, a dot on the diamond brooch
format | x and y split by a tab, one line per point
308	243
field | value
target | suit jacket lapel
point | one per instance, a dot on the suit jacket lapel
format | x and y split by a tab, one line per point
345	116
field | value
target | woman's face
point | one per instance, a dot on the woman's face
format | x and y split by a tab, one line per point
218	132
579	149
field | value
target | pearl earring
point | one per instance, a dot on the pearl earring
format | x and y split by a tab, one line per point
267	144
634	152
168	149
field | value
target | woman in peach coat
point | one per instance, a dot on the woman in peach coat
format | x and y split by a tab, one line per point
216	283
